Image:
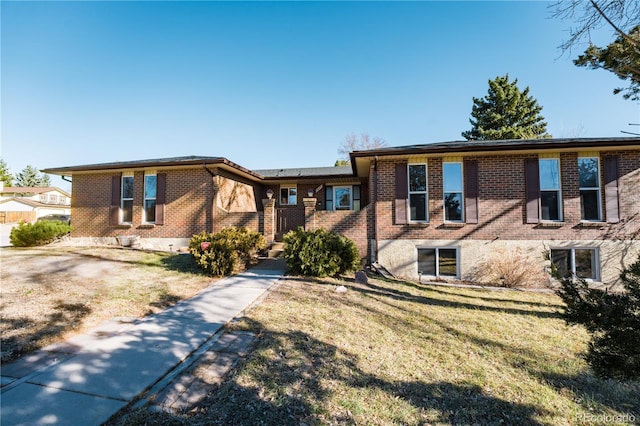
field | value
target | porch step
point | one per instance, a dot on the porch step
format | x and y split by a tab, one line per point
276	249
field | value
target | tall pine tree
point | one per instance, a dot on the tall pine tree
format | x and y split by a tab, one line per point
5	175
30	176
506	112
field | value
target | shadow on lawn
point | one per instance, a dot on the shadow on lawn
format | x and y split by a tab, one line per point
399	294
29	335
291	378
294	372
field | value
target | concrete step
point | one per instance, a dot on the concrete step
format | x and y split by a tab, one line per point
276	250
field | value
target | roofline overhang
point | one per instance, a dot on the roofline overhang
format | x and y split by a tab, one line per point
482	148
156	165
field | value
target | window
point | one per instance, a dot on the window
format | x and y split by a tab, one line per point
150	185
589	176
53	199
288	196
62	200
126	200
578	262
438	262
44	198
342	197
550	197
418	192
452	184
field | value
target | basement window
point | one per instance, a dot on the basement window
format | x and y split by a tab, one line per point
438	261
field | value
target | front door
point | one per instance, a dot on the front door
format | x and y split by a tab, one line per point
288	219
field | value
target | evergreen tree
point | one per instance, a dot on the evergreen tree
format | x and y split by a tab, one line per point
30	177
621	57
506	112
5	176
612	319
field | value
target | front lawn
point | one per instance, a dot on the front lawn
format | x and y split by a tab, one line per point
404	353
50	293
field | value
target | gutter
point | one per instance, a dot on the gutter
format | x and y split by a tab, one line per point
213	198
375	209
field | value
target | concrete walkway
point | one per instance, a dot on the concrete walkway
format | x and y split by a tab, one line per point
90	377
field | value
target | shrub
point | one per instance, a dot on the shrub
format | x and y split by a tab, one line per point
219	254
510	268
319	253
612	319
38	233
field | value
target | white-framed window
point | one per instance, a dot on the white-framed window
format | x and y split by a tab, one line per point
150	187
53	199
288	195
550	193
580	262
438	261
126	200
453	193
418	196
62	199
44	198
589	178
342	197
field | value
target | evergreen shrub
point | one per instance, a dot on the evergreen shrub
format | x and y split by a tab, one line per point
319	253
38	233
612	319
221	253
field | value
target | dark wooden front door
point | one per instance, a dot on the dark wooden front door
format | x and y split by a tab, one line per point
288	219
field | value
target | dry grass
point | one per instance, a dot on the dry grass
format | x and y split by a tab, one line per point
51	293
404	353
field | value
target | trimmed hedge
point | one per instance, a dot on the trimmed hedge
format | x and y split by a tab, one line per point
320	253
220	253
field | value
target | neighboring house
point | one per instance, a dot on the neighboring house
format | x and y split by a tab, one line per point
435	210
30	203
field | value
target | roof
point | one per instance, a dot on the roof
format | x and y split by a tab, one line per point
501	145
306	172
192	160
34	203
203	161
32	190
359	159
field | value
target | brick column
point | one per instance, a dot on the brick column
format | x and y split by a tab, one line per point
269	213
310	213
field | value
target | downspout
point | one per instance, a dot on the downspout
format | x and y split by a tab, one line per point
63	177
375	208
213	198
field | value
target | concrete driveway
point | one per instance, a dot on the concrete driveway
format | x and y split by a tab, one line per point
5	231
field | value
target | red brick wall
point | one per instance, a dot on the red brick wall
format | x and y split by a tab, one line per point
351	224
187	212
501	202
249	220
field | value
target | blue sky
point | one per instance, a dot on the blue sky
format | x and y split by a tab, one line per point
277	84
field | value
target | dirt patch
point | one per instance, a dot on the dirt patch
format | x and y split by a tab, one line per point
51	293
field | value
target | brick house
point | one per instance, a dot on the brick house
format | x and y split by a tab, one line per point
166	201
435	210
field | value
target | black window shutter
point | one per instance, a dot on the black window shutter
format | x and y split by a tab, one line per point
611	188
161	185
471	190
532	189
114	207
402	193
